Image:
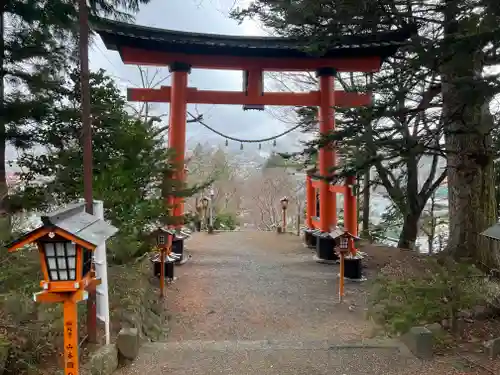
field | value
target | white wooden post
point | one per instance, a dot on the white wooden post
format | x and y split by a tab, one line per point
101	269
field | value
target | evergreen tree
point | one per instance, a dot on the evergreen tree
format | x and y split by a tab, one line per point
37	47
33	53
130	159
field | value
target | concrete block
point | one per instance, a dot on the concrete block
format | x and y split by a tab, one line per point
419	341
104	361
128	343
493	347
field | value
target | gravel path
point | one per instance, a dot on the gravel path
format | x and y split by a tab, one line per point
256	303
255	285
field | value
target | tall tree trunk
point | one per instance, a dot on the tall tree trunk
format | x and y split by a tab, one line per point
471	191
409	233
5	218
366	203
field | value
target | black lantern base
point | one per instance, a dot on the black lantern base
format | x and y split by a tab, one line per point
169	269
308	238
178	246
325	247
353	269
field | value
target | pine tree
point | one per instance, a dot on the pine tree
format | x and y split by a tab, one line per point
130	159
37	47
33	53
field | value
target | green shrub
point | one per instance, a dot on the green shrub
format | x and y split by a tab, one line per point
126	248
225	221
440	292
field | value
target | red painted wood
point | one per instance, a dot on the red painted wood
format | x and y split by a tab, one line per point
136	56
194	96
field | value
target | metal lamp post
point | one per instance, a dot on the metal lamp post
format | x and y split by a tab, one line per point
204	205
284	206
199	214
211	223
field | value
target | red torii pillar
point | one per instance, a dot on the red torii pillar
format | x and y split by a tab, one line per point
328	204
177	129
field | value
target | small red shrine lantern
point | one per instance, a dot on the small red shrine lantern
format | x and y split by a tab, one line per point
163	264
161	236
66	241
343	240
284	203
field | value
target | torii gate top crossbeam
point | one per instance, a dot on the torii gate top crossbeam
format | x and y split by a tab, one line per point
142	45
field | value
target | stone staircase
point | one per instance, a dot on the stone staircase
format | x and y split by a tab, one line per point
377	357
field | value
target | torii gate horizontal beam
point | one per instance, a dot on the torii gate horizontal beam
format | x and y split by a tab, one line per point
195	96
138	56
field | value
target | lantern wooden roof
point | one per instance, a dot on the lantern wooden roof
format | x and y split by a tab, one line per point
341	232
120	36
163	230
71	223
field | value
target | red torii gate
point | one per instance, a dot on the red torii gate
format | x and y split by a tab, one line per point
181	51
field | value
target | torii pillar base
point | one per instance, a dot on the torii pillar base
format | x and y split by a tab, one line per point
310	238
353	268
325	248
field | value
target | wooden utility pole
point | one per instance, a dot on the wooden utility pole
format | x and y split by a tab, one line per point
87	147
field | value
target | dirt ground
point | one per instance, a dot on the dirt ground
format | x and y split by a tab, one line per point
466	350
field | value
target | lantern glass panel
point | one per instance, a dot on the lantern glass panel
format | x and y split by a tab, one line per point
344	243
51	263
49	249
60	249
161	240
71	249
61	260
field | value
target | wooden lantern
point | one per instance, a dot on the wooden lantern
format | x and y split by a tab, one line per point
284	203
343	241
66	241
161	236
164	239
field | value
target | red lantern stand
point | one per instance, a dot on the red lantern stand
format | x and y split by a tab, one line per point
164	240
343	249
65	243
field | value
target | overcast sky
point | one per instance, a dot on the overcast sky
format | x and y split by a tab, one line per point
208	16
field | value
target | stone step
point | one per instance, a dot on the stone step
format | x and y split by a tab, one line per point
247	345
269	357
